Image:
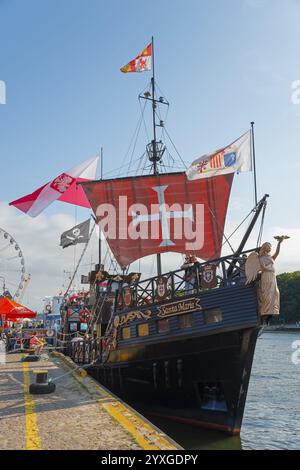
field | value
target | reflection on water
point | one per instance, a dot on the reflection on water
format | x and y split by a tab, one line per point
271	419
193	438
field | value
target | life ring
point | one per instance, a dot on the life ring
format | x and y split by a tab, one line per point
84	315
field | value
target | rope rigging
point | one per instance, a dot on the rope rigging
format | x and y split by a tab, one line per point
141	165
79	262
261	229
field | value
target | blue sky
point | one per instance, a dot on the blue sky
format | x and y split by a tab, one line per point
220	63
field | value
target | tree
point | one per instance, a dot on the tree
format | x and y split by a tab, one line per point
289	286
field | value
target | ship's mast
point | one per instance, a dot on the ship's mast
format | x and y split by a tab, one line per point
154	142
155	149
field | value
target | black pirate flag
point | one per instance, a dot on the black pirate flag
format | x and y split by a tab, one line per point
77	234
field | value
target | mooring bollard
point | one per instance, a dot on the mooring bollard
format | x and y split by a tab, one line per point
41	376
42	384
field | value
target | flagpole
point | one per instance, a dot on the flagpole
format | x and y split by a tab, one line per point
79	262
254	161
155	171
154	149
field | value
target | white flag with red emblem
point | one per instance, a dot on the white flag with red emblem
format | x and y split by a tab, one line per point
63	188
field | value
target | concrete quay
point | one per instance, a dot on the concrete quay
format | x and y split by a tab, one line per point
79	415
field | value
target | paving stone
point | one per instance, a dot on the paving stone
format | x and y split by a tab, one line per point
71	418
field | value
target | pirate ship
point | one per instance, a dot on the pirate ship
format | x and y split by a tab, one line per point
168	345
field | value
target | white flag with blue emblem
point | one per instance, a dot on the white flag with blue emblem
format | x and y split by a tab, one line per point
236	157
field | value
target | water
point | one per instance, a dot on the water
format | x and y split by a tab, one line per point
272	414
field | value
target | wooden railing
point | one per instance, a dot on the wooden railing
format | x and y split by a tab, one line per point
145	292
84	351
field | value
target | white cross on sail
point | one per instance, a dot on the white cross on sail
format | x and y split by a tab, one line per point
164	216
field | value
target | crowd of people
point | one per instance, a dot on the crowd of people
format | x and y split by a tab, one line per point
18	340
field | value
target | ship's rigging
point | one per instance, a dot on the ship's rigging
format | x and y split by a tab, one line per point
156	159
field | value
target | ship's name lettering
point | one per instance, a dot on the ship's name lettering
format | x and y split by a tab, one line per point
179	307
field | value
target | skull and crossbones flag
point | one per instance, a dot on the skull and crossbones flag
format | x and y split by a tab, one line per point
77	234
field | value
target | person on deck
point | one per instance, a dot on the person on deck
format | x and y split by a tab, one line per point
190	277
36	344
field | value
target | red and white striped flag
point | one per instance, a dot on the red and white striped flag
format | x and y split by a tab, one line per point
63	188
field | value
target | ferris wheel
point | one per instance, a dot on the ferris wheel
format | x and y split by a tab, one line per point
12	266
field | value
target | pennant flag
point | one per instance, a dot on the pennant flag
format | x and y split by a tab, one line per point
63	188
77	234
141	63
235	157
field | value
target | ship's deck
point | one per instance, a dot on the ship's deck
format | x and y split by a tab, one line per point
80	414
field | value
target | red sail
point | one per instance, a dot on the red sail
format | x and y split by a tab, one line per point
146	215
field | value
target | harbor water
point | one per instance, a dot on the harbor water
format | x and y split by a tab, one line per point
271	419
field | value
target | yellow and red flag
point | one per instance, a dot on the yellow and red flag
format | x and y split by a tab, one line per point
141	63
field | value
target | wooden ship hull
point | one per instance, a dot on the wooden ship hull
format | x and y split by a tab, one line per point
188	359
174	349
206	387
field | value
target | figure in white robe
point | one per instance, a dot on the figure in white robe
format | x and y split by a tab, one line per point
268	292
